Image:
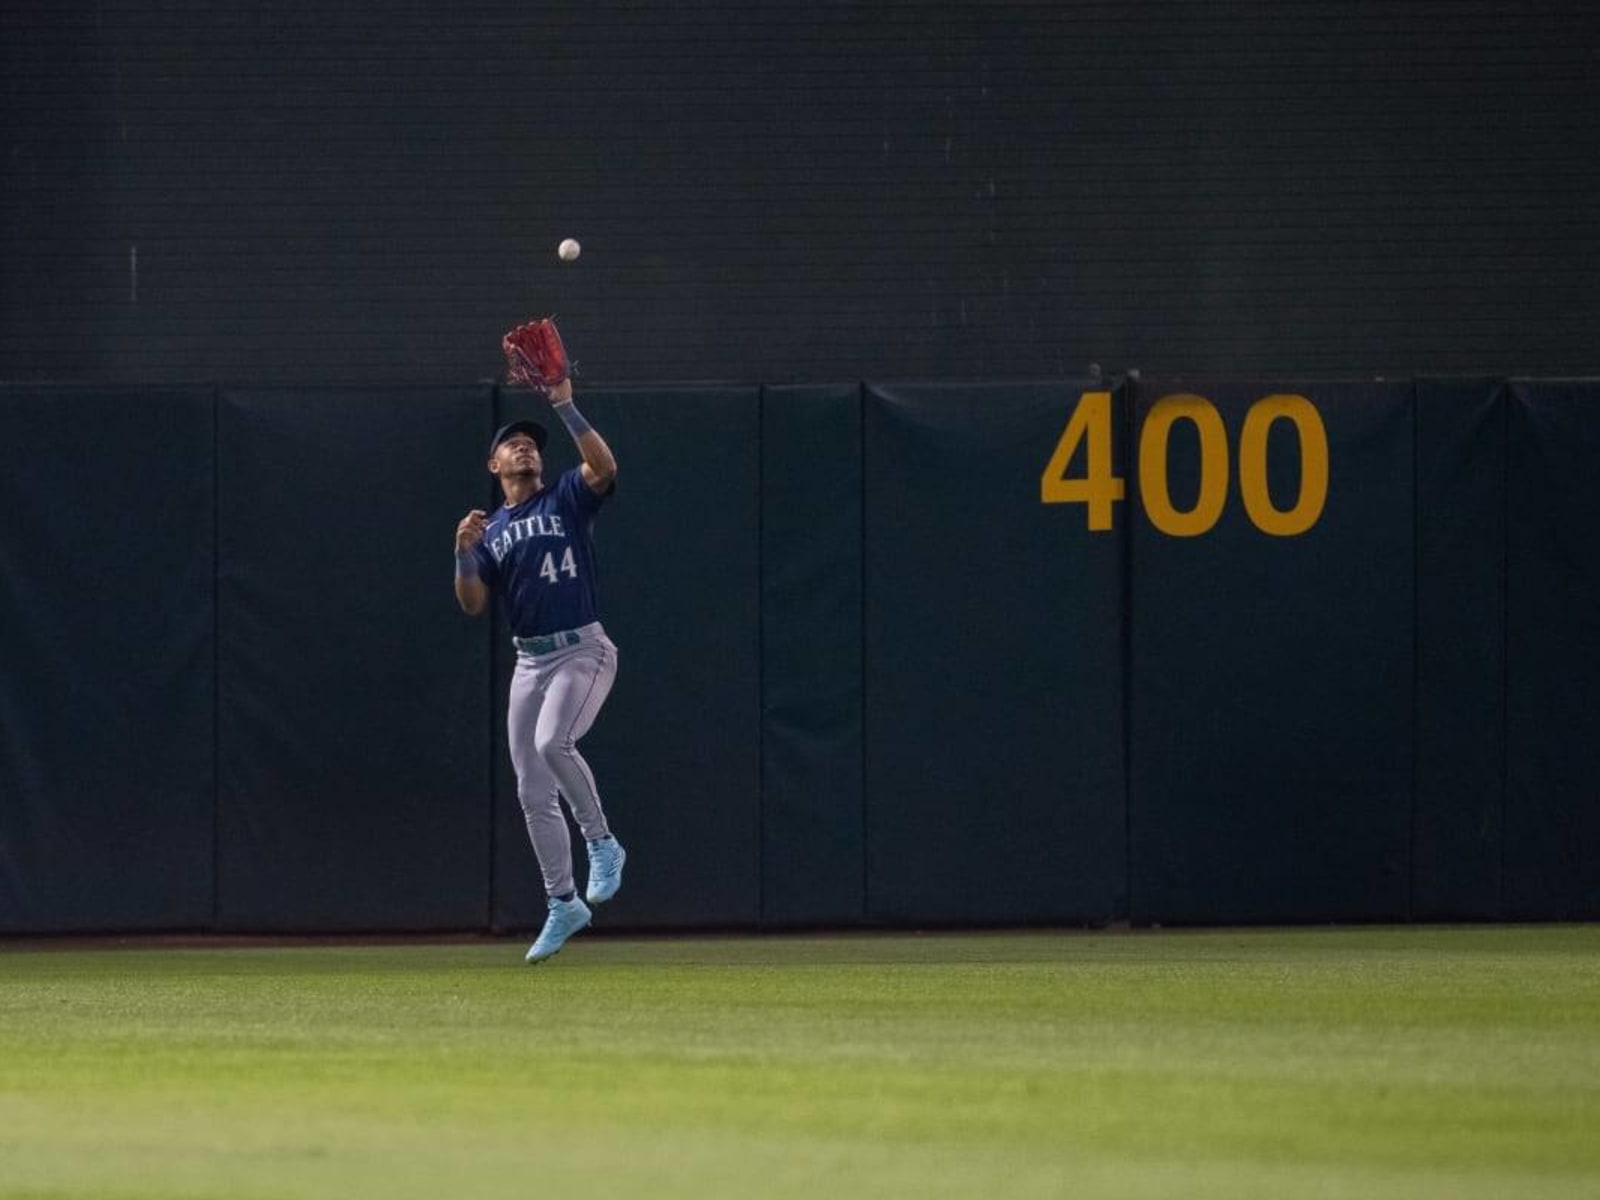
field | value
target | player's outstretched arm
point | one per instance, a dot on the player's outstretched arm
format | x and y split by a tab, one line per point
471	592
599	464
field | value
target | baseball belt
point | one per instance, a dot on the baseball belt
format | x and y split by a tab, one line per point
547	643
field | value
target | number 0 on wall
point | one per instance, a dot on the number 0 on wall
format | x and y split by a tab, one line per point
1098	488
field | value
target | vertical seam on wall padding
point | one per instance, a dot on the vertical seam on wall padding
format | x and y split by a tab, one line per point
216	657
1128	405
761	655
866	740
1128	413
492	769
1504	399
1416	641
490	772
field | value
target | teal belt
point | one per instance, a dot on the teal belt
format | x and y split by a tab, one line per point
547	643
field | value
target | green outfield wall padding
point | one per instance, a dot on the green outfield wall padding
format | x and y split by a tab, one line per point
676	749
812	840
1458	815
993	685
913	654
354	751
107	761
1271	674
1552	852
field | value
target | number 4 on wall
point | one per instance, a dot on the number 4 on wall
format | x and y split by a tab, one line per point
1098	488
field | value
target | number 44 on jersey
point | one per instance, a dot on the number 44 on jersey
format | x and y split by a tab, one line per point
548	569
1098	489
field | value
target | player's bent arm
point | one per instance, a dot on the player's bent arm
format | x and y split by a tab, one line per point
599	464
472	594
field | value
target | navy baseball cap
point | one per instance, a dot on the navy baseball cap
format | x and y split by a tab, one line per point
532	428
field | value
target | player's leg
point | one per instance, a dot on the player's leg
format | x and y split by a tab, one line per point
537	787
547	826
578	685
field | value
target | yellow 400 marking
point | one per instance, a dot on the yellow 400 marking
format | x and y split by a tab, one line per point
1098	489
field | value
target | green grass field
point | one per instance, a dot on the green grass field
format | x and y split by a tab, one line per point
1362	1063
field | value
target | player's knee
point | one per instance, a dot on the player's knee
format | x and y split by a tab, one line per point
551	746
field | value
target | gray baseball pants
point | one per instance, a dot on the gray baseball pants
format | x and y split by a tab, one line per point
554	700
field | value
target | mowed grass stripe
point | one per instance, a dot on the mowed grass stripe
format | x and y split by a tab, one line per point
1449	1062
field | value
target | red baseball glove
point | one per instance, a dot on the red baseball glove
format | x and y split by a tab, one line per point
535	356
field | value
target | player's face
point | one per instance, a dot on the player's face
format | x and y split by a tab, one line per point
517	455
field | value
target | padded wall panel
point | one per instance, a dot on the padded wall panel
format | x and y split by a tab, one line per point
994	751
352	730
1271	676
107	640
1458	819
812	839
1553	652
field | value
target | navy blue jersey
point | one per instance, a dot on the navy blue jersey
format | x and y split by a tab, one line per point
540	557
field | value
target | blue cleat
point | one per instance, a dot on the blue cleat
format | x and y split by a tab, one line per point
606	857
566	918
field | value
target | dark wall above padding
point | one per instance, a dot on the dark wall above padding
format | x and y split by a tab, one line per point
307	194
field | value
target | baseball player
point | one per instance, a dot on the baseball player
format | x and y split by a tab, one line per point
536	552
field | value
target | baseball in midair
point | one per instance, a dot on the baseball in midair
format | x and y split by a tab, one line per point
569	249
